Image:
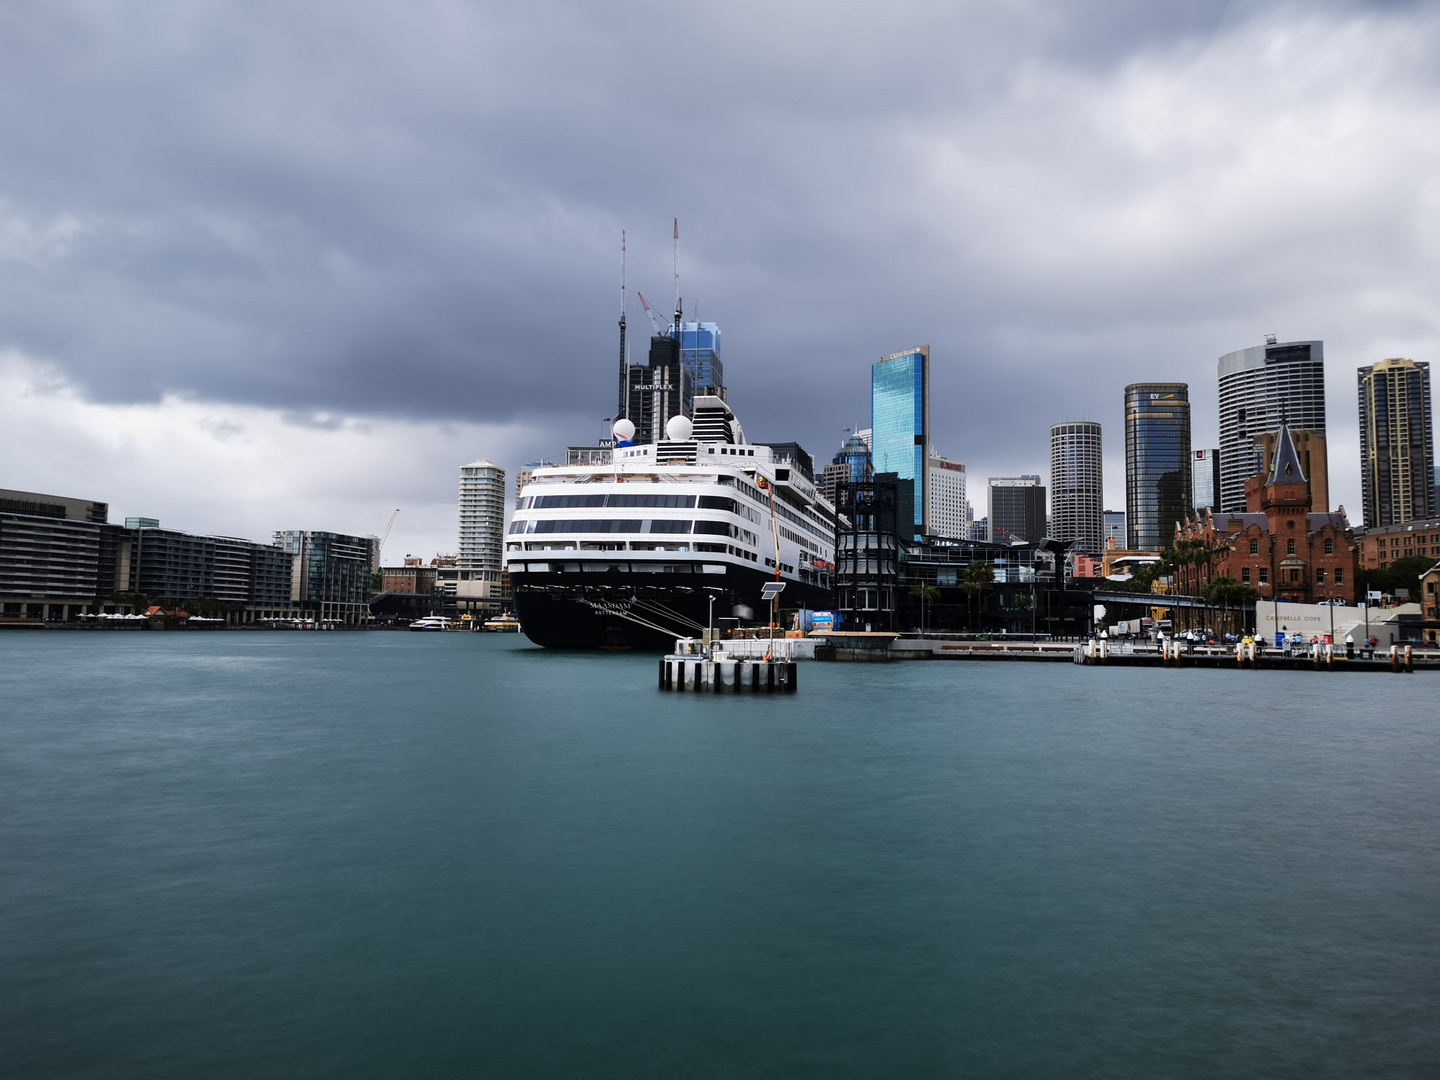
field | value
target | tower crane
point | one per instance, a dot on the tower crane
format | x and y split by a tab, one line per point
651	312
380	547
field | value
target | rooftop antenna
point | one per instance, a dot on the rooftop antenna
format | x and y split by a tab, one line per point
624	344
677	277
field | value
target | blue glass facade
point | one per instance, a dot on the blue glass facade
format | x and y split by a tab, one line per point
900	424
700	353
855	456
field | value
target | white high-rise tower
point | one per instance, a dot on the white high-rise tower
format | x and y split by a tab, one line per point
477	584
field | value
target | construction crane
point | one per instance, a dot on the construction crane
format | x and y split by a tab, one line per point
651	312
383	537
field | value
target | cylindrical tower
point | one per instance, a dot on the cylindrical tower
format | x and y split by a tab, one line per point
1257	387
1157	462
1077	482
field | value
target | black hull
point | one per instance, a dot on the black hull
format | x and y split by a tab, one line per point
608	611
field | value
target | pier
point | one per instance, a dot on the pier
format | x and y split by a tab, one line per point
888	647
701	667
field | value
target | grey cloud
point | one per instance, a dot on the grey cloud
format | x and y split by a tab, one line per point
414	210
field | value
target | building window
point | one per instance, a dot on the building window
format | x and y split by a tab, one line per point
1245	576
1264	575
1294	575
1289	547
1254	547
1329	547
1339	576
1319	577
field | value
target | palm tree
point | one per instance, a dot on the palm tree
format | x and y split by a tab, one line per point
922	593
977	576
1225	591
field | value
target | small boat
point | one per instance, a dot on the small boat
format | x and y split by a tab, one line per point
433	623
503	624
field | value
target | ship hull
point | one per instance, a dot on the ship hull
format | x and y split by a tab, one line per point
635	611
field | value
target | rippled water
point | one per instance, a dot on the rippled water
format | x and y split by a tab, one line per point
388	855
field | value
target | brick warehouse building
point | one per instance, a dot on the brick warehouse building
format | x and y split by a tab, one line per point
1278	545
1379	547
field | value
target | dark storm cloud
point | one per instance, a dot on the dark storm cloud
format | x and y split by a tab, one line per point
414	210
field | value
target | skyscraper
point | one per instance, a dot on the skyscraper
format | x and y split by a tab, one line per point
658	391
700	353
851	464
1077	480
1397	456
482	516
1205	479
1157	462
1017	509
1257	386
900	426
949	508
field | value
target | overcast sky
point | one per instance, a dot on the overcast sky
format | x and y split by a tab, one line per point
289	264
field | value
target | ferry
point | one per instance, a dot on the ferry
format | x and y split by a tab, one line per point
667	538
502	624
433	624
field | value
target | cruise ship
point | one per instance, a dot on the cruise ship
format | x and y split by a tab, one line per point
667	538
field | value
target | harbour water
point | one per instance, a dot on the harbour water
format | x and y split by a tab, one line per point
373	854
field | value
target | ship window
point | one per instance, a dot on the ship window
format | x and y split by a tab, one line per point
713	528
680	502
558	502
717	502
664	526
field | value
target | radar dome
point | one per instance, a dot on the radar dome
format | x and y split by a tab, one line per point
678	429
623	429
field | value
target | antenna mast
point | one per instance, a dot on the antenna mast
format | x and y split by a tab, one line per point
677	278
620	411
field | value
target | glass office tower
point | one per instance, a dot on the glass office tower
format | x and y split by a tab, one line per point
1257	386
1205	479
1157	462
700	353
900	425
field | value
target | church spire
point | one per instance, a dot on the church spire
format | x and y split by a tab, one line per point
1285	464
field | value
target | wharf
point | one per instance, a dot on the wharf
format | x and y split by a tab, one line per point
887	647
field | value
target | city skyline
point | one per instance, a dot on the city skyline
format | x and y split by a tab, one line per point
255	292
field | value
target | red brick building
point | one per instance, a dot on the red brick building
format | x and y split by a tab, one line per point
1381	546
1278	545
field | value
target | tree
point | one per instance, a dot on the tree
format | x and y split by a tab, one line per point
978	575
922	593
1224	591
1400	574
